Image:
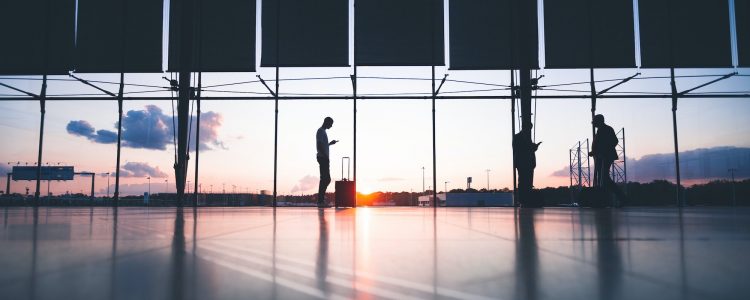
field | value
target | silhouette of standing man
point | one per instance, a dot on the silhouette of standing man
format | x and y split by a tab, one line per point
324	161
524	156
604	153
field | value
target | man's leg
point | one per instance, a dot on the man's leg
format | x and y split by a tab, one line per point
325	179
524	185
610	184
597	173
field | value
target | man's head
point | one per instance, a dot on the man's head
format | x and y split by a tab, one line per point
598	121
327	123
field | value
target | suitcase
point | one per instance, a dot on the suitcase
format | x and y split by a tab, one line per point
595	197
346	190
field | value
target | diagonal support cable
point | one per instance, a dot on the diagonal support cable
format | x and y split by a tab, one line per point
707	83
20	90
84	81
266	85
441	84
618	84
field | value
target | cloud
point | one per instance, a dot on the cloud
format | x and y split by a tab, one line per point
151	129
307	183
698	164
139	169
84	129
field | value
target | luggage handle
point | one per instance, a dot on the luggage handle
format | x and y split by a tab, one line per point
347	168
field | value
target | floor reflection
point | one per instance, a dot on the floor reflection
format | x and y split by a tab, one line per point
113	263
609	256
527	260
34	241
321	263
374	253
177	274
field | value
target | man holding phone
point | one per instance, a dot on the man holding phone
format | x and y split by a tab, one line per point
324	161
524	158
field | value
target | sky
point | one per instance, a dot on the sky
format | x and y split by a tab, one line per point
394	137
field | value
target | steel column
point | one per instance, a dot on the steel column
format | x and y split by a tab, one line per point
119	139
93	179
197	137
7	184
674	132
432	62
276	105
624	162
183	102
42	109
593	101
513	127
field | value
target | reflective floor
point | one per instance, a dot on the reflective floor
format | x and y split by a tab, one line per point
374	253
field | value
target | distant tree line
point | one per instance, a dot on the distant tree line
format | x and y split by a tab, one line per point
655	193
662	193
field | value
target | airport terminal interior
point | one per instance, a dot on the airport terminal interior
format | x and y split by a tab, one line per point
374	253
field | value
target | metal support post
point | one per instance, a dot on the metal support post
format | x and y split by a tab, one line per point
276	106
580	179
432	62
570	167
624	163
43	111
354	100
513	127
7	184
674	131
588	162
93	179
593	101
119	139
183	102
197	136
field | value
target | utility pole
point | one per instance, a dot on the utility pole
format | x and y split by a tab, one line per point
149	185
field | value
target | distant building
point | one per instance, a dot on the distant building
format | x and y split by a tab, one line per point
469	199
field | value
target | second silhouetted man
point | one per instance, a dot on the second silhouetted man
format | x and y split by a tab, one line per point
604	151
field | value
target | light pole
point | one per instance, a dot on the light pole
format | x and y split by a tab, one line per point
211	190
188	187
108	184
149	185
488	179
423	190
166	185
446	187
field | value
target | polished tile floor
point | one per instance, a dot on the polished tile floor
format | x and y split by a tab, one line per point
374	253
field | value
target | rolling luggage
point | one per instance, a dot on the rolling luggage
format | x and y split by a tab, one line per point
346	191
